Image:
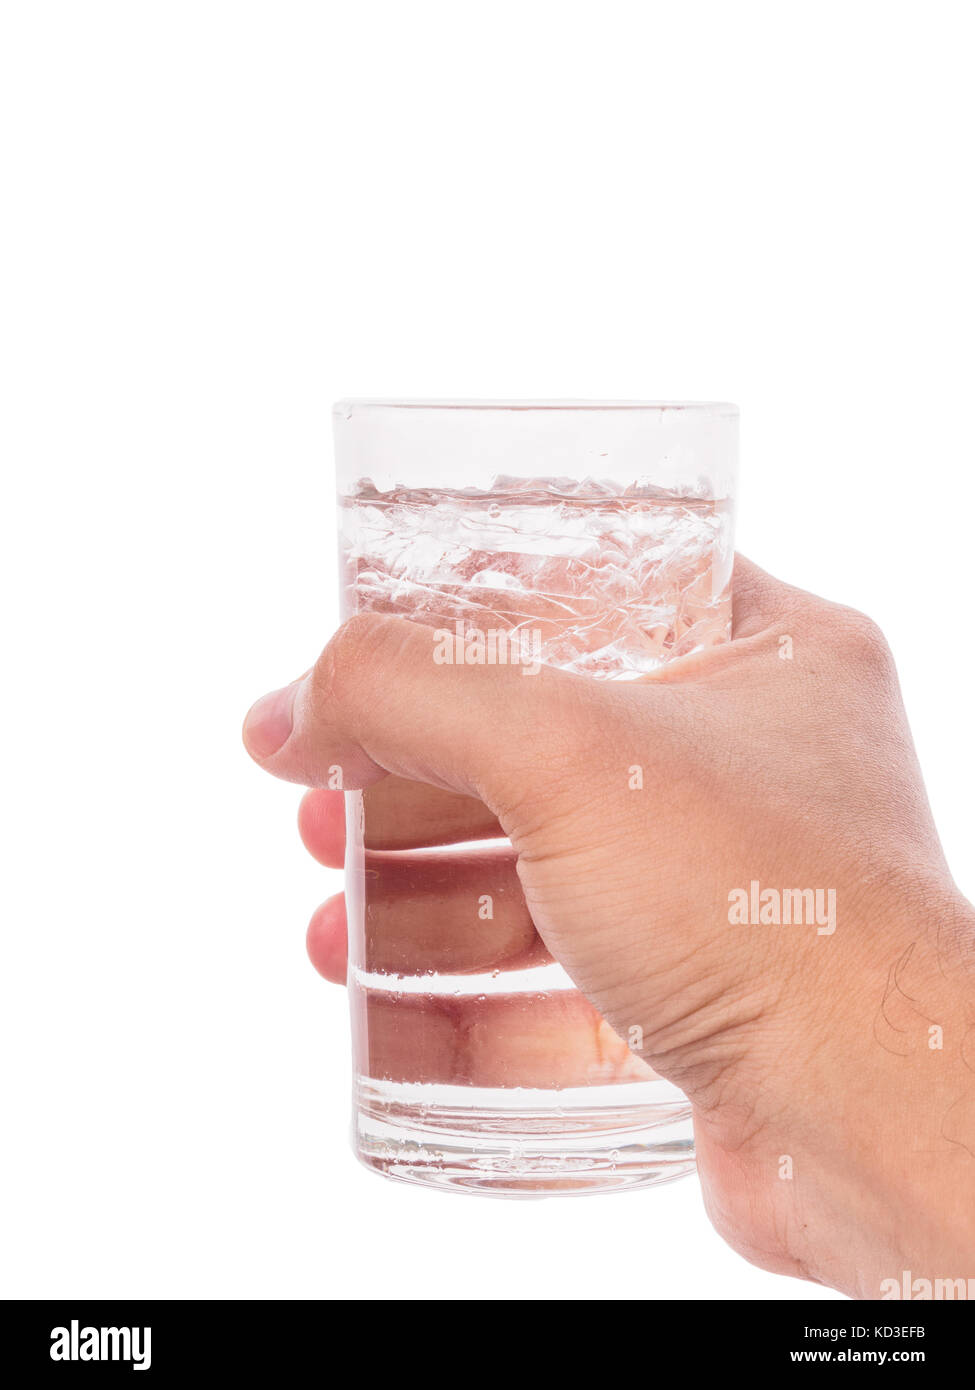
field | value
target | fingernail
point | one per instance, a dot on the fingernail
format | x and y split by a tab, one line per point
269	723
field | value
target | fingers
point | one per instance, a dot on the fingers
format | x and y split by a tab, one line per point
327	940
398	815
379	701
454	914
407	815
451	913
536	1040
321	825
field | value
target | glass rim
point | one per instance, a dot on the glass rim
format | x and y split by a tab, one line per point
343	407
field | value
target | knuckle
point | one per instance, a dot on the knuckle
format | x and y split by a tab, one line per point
352	659
860	639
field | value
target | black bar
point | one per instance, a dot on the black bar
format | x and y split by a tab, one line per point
321	1338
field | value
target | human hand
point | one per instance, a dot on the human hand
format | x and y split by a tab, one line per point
782	758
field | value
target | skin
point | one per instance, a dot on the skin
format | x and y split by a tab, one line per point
832	1077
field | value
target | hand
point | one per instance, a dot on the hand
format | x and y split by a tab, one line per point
834	1140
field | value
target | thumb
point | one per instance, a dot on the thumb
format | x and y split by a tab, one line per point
382	699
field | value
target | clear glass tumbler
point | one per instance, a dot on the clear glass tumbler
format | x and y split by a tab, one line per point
593	536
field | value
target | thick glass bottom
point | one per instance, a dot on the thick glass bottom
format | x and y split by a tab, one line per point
524	1143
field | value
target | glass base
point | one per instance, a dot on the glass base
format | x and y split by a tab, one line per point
524	1143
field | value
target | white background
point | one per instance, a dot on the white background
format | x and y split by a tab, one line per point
219	217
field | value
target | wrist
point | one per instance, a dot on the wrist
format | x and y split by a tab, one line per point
852	1158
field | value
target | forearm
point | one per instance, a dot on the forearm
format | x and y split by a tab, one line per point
915	1144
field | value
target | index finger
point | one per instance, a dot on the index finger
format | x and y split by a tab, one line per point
399	814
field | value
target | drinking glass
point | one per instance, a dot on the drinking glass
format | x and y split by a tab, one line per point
595	536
